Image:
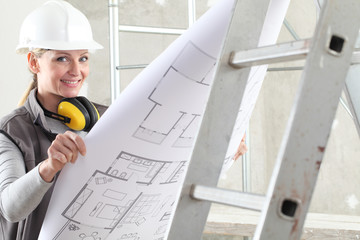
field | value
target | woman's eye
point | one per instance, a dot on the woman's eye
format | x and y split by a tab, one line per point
83	59
61	59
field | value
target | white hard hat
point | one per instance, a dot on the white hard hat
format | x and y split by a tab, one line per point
56	25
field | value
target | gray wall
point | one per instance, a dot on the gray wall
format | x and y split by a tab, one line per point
15	76
336	191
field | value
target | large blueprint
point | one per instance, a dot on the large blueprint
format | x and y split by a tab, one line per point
137	154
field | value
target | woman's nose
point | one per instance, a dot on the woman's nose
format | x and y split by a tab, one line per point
75	69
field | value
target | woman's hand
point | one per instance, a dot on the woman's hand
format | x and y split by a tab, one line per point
242	149
64	149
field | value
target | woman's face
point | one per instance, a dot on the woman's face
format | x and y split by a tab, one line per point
61	74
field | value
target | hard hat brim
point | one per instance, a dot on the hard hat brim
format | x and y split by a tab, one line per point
92	45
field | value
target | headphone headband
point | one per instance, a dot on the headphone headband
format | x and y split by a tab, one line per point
56	116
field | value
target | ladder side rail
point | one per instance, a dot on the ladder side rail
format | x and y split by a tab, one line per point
308	130
114	45
352	90
212	142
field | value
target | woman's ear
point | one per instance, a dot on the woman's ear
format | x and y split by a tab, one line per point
32	62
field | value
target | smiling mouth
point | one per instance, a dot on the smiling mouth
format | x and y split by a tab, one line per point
70	82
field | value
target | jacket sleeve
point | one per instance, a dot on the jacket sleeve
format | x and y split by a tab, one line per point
20	192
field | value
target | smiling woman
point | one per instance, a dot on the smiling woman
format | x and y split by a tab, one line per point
35	144
59	74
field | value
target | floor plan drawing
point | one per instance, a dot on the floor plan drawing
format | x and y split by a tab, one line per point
128	184
139	158
101	211
185	120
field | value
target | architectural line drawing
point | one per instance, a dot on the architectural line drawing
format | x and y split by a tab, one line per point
181	120
100	212
127	186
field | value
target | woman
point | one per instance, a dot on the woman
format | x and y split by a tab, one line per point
34	143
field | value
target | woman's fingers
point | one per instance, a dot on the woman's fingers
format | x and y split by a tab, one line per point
242	149
65	147
79	142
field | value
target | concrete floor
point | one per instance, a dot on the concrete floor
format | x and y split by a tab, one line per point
218	237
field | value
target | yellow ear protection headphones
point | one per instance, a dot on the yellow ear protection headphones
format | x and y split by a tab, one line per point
77	113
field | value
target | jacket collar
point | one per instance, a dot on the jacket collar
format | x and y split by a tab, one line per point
36	111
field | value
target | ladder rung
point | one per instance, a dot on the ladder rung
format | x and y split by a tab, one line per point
277	53
228	197
135	66
355	59
270	54
153	30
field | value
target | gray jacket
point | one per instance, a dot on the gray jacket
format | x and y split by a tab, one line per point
26	127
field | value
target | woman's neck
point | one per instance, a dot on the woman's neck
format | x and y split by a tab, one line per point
50	103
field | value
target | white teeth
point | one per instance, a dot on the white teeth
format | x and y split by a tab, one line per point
69	82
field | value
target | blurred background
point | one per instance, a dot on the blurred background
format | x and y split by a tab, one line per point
337	191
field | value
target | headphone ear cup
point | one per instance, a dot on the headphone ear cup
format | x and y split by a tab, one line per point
92	111
75	110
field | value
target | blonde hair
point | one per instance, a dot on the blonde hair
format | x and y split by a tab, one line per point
38	52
